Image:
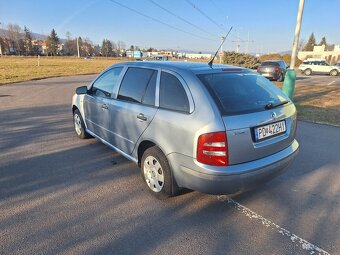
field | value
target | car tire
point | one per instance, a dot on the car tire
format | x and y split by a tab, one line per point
308	72
333	72
79	126
157	174
281	77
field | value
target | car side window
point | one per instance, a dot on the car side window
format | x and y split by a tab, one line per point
135	83
172	95
105	84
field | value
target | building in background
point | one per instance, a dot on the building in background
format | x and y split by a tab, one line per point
198	56
331	56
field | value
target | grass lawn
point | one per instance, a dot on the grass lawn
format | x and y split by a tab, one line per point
317	103
17	69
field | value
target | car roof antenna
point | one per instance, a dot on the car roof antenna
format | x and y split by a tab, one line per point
212	60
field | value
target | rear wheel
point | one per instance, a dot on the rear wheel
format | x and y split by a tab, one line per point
79	125
157	174
281	77
308	72
333	72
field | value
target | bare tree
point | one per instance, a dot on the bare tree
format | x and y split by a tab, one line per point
121	45
13	36
301	45
68	36
114	45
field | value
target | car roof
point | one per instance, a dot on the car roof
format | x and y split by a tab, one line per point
315	59
196	67
272	61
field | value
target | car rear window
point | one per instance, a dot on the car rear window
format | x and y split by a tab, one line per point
241	93
270	64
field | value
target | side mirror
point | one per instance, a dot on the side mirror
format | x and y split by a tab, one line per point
81	90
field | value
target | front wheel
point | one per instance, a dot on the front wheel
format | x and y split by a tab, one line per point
157	174
79	125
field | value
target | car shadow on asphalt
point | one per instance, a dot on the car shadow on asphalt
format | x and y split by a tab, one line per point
69	197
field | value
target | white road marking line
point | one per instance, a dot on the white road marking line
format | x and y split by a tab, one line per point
311	248
331	83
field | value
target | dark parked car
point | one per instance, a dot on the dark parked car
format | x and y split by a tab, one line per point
273	69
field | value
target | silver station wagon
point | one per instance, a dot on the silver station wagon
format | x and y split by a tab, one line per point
217	130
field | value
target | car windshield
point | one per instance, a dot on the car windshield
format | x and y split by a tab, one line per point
241	93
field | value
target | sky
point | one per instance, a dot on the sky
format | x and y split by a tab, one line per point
196	25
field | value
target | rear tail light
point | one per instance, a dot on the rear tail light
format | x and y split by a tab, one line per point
277	69
212	149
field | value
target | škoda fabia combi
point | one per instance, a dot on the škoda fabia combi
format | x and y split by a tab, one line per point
218	130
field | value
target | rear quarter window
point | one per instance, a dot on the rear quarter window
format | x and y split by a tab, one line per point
241	93
172	95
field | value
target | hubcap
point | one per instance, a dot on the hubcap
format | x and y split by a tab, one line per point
153	174
77	124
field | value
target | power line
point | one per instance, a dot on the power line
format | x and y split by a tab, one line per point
159	21
205	15
184	20
219	7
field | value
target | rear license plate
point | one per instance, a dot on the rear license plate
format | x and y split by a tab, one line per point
270	130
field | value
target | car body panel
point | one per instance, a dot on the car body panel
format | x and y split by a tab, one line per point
242	146
230	179
125	126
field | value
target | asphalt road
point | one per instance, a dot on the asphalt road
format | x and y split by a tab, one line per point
63	195
324	80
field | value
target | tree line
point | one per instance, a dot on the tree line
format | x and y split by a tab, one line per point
17	41
312	42
252	62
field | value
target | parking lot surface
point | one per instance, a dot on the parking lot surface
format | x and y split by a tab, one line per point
63	195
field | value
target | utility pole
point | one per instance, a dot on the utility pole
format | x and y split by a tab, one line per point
297	33
239	41
247	44
0	47
289	83
78	47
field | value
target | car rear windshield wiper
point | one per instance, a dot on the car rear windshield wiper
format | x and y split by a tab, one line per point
271	105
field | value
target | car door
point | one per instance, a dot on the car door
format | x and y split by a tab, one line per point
325	67
97	102
317	67
134	108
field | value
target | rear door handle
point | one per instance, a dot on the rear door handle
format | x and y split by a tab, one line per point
141	117
105	107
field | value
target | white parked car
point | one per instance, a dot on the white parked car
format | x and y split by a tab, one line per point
320	66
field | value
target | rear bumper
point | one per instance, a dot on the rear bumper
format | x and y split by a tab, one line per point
231	179
270	75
